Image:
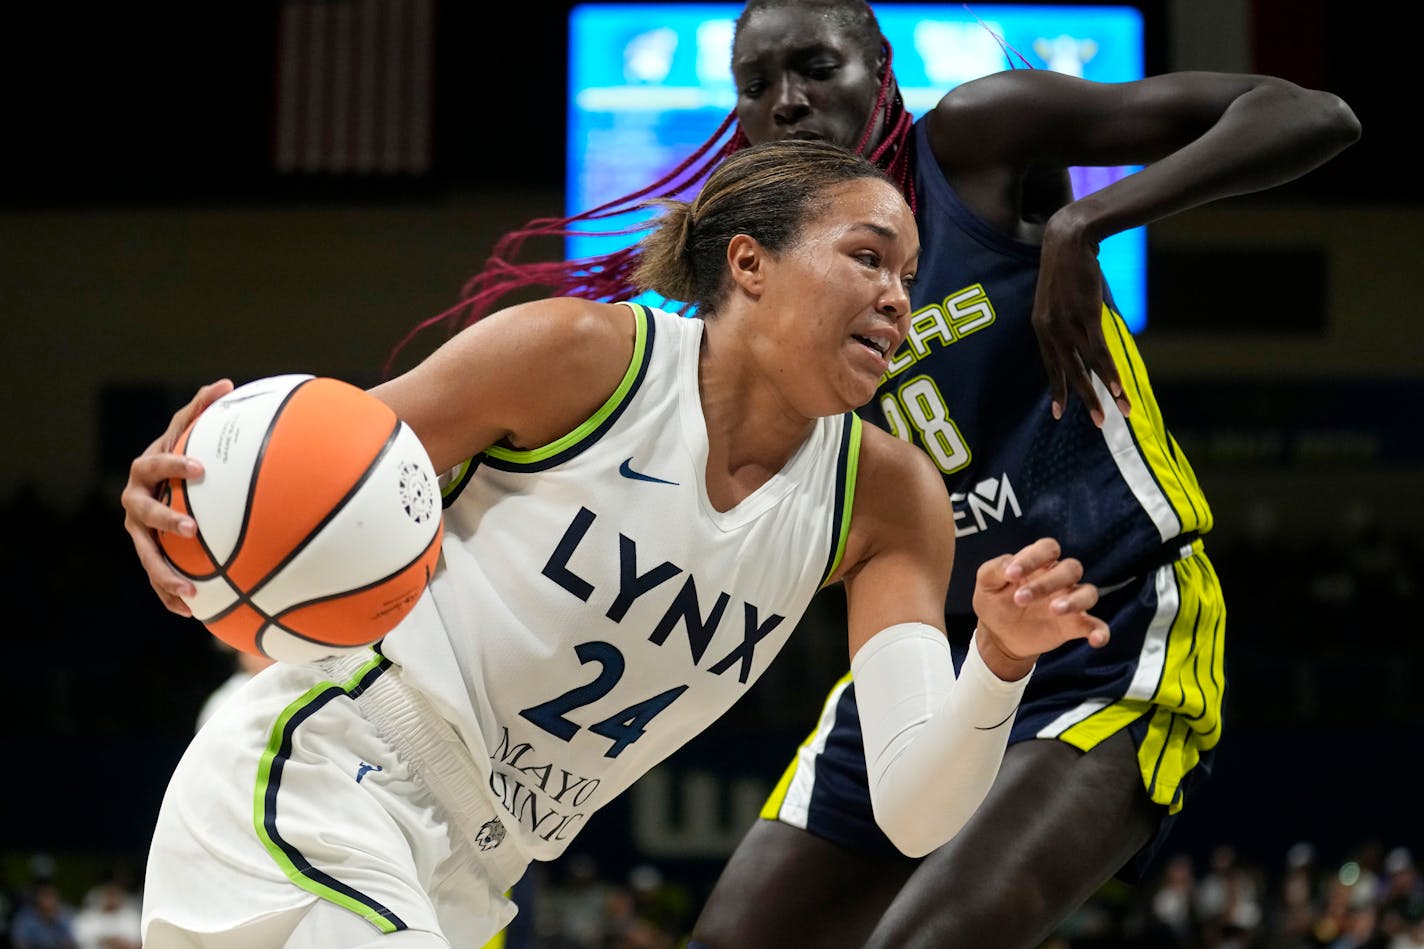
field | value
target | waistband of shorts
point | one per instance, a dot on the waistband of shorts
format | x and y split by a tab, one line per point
441	761
1171	551
1180	548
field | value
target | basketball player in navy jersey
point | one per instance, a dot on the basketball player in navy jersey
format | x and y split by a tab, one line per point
1023	386
642	507
1108	744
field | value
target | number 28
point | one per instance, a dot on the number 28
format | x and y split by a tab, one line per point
922	404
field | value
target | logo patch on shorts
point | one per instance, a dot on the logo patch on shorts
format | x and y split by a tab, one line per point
490	835
361	771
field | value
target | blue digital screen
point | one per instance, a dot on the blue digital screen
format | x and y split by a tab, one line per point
650	82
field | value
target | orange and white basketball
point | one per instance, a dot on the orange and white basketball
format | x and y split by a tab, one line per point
318	513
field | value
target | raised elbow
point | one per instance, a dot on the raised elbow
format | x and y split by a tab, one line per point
1330	120
1339	119
1317	123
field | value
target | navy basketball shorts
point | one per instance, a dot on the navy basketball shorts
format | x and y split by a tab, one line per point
1160	678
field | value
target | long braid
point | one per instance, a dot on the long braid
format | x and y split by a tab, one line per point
602	277
893	152
609	276
670	185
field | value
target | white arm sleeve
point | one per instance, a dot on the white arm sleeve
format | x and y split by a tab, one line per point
932	745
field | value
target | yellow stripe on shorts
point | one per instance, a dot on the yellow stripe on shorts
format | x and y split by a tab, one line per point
1164	458
1186	706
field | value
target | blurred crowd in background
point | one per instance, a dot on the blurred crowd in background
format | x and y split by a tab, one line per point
1369	898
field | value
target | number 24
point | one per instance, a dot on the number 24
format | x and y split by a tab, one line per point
623	727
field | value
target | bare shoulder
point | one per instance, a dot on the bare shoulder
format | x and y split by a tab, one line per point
987	92
524	376
559	344
900	501
888	462
568	328
984	125
573	352
980	101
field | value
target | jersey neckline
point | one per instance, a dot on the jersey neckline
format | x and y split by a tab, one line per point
695	439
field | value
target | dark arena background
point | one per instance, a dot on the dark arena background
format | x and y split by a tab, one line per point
176	206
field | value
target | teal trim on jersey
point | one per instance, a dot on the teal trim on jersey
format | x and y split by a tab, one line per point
510	456
851	460
269	766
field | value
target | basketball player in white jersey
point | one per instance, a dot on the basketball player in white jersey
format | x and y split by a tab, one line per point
640	508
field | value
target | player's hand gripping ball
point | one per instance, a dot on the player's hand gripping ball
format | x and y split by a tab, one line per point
318	518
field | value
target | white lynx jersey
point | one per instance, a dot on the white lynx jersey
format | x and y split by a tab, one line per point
594	611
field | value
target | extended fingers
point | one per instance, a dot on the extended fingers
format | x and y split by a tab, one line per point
1082	381
152	468
170	586
1097	632
991	576
203	398
144	512
1097	358
144	500
1075	599
148	475
1074	362
1049	352
1059	577
1035	556
1072	606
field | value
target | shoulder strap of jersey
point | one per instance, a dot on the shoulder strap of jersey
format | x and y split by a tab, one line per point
847	463
570	445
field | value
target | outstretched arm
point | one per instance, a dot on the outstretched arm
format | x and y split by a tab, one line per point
933	745
1202	136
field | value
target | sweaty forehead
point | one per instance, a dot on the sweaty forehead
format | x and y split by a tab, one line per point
788	32
869	202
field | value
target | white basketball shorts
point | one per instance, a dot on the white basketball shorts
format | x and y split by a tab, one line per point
291	799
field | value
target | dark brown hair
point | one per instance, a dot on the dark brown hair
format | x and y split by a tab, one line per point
610	276
767	191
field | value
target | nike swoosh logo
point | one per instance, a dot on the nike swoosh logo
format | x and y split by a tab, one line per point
1113	588
989	728
626	470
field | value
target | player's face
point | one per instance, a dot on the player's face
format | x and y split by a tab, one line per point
799	75
840	297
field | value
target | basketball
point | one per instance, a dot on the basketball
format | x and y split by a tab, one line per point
318	516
